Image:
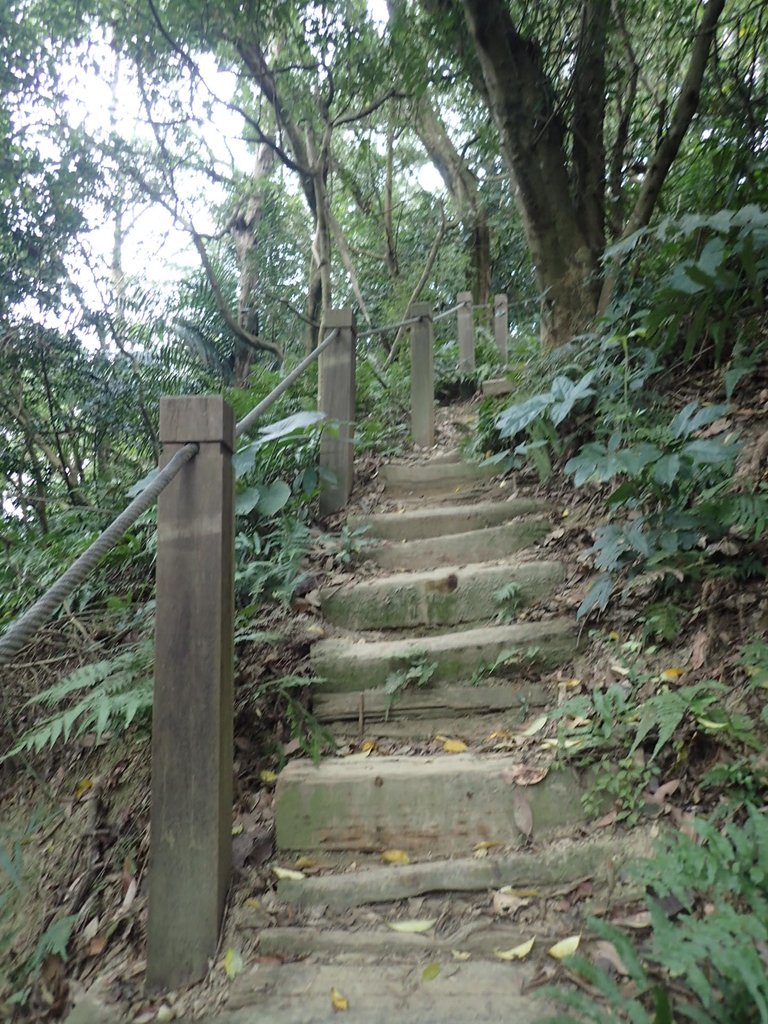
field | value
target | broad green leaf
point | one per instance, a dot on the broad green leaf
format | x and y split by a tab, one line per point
274	497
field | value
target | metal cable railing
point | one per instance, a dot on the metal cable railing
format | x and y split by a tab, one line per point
24	628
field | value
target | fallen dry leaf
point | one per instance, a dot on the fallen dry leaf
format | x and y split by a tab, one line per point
505	903
517	952
604	950
412	927
565	947
338	1001
521	812
454	746
669	675
287	873
524	775
268	776
430	972
534	726
232	963
395	857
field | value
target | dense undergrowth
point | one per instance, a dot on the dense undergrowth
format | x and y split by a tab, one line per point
650	424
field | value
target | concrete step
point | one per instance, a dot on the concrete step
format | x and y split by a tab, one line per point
487	544
342	664
421	523
442	805
555	863
439	597
421	479
379	992
471	712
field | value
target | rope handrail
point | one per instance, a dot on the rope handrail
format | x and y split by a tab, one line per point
448	312
25	627
389	327
21	631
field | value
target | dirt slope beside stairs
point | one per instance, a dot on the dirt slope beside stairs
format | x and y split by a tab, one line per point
444	807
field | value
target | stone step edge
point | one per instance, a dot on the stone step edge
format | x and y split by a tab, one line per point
600	859
469	547
341	663
442	804
445	596
419	522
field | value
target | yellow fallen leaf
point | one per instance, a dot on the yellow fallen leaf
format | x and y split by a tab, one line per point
268	776
565	947
430	972
613	635
338	1001
669	675
572	683
313	629
521	894
517	952
83	788
454	746
233	963
487	844
460	954
535	726
567	743
368	745
253	903
499	734
566	513
305	862
480	853
287	873
395	857
237	830
412	927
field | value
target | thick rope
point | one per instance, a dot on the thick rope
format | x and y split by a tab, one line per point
389	327
448	312
248	421
24	628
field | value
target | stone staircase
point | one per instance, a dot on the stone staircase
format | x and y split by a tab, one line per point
454	827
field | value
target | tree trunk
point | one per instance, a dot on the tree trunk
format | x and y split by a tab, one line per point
531	133
245	230
462	186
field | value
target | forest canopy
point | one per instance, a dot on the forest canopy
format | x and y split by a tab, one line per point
187	187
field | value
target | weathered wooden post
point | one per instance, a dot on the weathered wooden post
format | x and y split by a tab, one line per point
191	836
422	375
336	398
465	322
501	325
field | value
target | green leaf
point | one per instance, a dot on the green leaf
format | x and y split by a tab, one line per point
274	497
247	500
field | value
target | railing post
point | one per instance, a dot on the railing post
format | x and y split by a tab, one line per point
466	329
336	398
191	819
501	325
422	375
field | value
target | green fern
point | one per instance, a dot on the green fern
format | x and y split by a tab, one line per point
665	711
117	691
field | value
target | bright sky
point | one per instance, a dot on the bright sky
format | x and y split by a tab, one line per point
153	245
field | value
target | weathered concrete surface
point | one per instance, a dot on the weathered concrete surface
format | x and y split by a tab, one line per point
562	861
429	701
419	479
415	524
439	597
487	544
497	386
345	664
438	805
300	993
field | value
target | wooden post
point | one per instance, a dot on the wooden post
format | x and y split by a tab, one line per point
501	325
336	398
466	329
190	853
422	376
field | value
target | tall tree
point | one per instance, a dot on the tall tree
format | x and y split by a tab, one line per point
550	116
